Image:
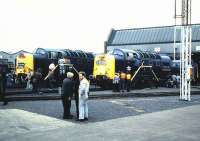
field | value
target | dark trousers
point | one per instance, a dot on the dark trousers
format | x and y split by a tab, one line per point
128	85
66	105
116	87
122	83
35	87
2	94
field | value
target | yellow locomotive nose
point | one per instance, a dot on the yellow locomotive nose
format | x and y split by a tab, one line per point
104	65
24	63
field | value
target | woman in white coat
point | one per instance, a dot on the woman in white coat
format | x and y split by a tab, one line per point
83	97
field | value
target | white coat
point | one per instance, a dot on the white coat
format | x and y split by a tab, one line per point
83	97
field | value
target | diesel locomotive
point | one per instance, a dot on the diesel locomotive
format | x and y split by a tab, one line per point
123	60
42	58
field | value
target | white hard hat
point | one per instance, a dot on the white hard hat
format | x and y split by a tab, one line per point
52	66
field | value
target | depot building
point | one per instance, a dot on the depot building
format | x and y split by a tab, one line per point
153	39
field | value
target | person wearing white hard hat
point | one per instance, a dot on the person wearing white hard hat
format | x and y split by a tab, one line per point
52	66
51	78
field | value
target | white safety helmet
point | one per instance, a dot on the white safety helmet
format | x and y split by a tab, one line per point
52	66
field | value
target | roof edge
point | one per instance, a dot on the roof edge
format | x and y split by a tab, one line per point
126	44
151	27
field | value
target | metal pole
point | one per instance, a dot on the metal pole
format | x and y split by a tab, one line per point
175	41
175	31
185	51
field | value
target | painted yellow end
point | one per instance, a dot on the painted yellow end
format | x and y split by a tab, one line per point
104	65
24	63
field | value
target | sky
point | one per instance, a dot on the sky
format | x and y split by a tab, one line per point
78	24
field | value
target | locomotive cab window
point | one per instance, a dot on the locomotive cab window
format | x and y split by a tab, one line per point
40	51
101	62
118	53
20	65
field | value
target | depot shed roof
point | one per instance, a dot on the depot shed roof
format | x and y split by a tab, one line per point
150	35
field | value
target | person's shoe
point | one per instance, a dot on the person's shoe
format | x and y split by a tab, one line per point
69	117
86	119
81	120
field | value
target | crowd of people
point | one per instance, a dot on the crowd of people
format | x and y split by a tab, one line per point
73	85
122	82
31	81
3	85
173	81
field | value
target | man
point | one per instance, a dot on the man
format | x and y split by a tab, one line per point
28	79
122	80
3	86
36	80
128	81
116	80
178	80
62	63
67	94
83	97
51	77
63	68
174	80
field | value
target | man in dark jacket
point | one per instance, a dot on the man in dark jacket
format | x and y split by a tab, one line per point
68	88
36	81
3	86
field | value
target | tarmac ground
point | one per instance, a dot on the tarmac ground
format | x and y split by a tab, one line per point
160	118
